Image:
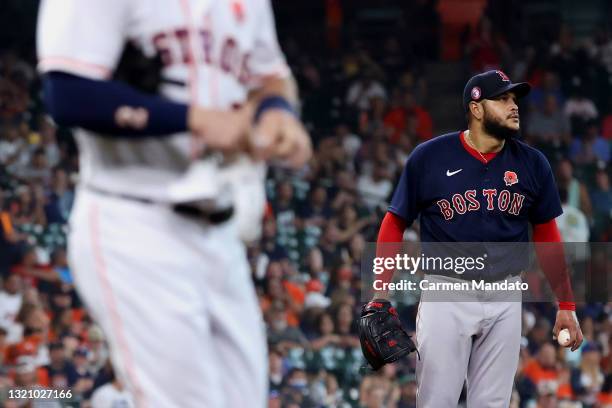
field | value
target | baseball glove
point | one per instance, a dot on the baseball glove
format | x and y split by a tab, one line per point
139	70
383	340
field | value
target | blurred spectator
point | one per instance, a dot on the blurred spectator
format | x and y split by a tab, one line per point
601	198
325	336
408	392
280	334
349	141
547	86
591	148
48	141
350	224
33	272
14	152
379	390
375	188
580	110
84	376
38	170
588	379
59	199
548	125
572	223
99	353
486	47
112	395
316	211
363	90
60	370
11	299
577	195
544	366
28	207
547	395
406	116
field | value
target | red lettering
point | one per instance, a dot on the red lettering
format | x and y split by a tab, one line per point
474	204
182	35
517	203
229	55
503	200
489	193
446	209
459	204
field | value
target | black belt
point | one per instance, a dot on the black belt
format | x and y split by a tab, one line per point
188	210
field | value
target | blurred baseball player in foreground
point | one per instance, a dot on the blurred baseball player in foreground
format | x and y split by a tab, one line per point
170	182
478	185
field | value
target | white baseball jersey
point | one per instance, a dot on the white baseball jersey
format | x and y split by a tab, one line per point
218	48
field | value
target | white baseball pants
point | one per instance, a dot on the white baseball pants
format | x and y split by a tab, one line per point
175	299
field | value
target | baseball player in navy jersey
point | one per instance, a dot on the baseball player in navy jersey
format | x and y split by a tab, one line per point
171	184
479	185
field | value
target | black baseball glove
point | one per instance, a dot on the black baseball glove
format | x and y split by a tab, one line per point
383	340
138	70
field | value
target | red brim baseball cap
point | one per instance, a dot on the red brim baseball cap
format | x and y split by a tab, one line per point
491	84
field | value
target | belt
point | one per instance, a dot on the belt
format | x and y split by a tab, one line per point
188	210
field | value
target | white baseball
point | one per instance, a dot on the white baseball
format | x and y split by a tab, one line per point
563	338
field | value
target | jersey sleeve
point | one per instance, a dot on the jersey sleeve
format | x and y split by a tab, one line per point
267	58
547	204
406	198
81	37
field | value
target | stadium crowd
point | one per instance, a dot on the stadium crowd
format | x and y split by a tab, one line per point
366	109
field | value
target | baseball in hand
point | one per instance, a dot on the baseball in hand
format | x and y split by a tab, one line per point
563	338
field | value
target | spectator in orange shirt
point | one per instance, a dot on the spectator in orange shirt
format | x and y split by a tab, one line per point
35	326
407	116
544	366
11	241
3	346
28	375
34	273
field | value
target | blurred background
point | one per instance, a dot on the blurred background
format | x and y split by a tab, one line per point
376	79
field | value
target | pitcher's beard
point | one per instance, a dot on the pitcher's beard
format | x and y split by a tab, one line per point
493	127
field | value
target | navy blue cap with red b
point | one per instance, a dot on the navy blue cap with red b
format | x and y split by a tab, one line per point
491	84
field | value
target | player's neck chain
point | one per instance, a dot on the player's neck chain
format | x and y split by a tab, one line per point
469	140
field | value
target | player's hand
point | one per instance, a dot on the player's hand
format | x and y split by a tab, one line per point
566	319
225	130
279	135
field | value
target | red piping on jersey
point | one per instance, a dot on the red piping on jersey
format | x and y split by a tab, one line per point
487	156
50	62
111	305
551	257
193	72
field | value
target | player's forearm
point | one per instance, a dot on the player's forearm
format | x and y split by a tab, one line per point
388	244
110	108
551	257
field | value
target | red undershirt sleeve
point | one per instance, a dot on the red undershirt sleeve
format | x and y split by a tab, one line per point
552	262
388	245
